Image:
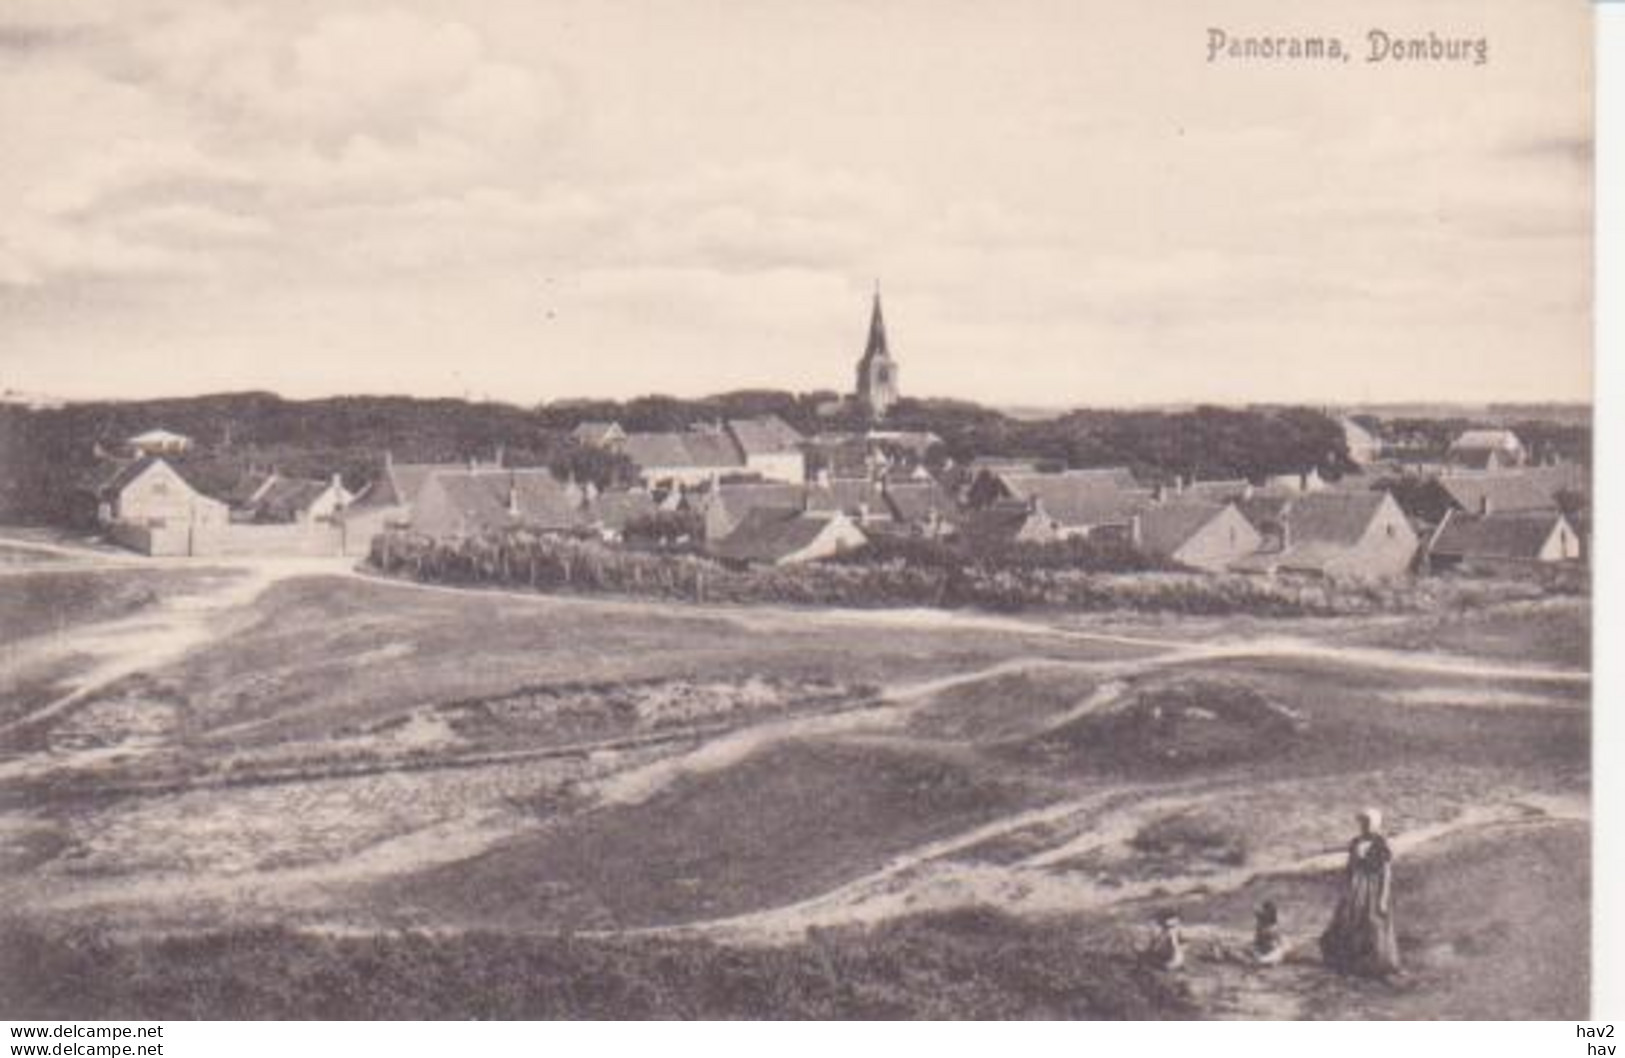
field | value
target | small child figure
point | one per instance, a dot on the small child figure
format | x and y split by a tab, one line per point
1269	946
1166	949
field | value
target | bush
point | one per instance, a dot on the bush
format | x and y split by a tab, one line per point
918	573
1189	835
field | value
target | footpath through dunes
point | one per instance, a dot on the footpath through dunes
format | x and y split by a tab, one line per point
117	624
1494	924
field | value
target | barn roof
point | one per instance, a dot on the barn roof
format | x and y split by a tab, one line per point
1337	518
1080	497
764	435
1513	535
121	477
1167	527
697	448
1505	492
482	498
769	534
401	482
286	498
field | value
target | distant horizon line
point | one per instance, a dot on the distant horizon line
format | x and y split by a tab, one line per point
22	397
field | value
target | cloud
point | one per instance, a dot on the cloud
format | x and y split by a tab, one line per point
255	121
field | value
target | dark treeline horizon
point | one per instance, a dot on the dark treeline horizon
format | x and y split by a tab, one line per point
48	456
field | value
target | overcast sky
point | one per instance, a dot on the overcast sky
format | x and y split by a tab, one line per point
1064	201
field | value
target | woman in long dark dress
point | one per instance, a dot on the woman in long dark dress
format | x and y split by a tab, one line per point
1361	938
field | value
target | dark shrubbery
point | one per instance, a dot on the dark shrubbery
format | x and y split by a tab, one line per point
977	963
916	573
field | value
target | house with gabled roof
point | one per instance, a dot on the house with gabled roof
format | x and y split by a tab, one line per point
722	505
387	502
151	493
295	500
1479	493
921	507
1078	502
1338	533
1502	539
399	483
1195	533
770	448
465	502
782	536
686	458
1006	522
1488	450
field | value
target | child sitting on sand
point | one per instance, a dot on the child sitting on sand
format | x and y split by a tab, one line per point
1166	948
1269	946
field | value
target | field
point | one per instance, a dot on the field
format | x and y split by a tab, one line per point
290	790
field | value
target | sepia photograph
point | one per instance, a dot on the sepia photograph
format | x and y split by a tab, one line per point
612	510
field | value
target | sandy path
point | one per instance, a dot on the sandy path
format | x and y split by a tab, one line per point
164	633
927	878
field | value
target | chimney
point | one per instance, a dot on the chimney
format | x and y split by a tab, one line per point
1179	484
1159	492
1134	531
1485	506
513	497
822	477
1247	491
501	455
389	459
1286	534
1303	481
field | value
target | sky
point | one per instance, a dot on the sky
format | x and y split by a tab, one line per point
1064	202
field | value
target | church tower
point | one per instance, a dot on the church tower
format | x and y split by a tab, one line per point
877	371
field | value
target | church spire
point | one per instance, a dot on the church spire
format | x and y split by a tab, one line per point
876	346
877	372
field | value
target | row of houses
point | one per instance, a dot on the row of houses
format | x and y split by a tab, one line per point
765	446
1212	526
1296	525
745	485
